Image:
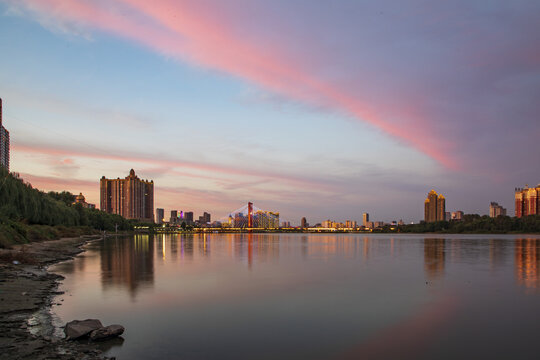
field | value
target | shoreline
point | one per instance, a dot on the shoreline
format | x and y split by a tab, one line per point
27	291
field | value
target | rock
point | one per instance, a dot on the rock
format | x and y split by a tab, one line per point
107	332
78	328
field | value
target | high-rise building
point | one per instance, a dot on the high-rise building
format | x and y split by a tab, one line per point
4	143
188	217
160	216
206	218
496	210
174	217
131	197
434	207
303	223
527	201
365	219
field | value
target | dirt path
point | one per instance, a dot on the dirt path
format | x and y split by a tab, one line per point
26	292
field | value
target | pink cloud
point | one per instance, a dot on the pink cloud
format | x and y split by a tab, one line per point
165	163
188	30
90	189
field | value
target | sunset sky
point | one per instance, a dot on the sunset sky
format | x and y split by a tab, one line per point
323	109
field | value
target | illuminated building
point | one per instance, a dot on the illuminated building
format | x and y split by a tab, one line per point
496	210
527	201
160	216
4	143
303	223
434	207
131	197
240	220
265	219
80	199
457	215
350	224
328	224
365	219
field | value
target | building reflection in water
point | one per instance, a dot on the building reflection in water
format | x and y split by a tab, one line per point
128	262
434	257
254	248
497	253
527	262
329	246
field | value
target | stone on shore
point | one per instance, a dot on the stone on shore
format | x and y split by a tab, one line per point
79	328
106	332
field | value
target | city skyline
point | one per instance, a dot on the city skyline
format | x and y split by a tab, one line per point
221	110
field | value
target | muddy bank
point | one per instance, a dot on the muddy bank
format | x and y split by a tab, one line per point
26	292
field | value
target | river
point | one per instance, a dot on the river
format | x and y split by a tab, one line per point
310	296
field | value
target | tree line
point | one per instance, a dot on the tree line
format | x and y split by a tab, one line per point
24	209
474	223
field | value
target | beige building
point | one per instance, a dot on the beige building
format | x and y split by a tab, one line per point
457	215
131	197
434	207
80	199
496	210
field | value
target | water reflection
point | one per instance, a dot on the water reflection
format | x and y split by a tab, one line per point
434	257
497	253
527	262
110	344
128	262
316	296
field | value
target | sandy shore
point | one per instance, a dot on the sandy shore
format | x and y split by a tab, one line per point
26	292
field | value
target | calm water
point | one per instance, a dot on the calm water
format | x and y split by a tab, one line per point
300	296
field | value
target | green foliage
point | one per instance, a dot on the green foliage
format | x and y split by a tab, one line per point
473	223
65	196
20	202
27	214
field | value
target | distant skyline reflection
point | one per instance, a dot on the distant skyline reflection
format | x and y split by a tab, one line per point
321	296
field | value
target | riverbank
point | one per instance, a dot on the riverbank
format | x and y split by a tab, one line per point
27	290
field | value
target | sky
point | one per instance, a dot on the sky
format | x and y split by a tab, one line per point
322	109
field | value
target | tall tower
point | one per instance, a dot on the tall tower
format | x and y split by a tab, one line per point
365	219
434	207
4	142
527	201
250	214
131	197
